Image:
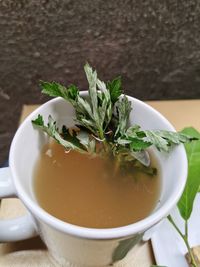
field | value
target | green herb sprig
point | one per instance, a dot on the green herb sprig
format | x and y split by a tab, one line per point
103	118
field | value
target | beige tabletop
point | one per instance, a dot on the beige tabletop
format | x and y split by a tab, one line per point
32	252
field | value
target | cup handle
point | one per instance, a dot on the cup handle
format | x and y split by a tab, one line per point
18	228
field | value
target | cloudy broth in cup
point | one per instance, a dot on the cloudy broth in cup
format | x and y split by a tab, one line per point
85	190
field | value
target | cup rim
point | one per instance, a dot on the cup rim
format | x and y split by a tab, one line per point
97	233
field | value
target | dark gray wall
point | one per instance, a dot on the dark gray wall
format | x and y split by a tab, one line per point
154	45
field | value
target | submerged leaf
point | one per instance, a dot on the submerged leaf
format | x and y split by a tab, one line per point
142	156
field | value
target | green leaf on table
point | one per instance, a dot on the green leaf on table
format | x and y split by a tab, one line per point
185	204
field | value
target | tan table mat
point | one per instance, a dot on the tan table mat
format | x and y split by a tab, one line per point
31	253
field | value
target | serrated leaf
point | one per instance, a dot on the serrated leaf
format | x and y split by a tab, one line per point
84	108
115	88
87	123
105	109
39	121
123	109
71	136
155	139
92	80
139	144
135	143
185	204
175	137
102	112
52	130
55	89
102	86
132	130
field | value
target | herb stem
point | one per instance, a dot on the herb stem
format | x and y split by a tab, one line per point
101	134
193	262
102	137
175	226
186	228
185	239
117	164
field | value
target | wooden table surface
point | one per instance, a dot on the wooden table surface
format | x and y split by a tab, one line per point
180	113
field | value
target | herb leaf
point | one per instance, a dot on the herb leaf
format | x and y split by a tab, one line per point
122	111
105	108
142	156
52	131
115	88
55	89
92	80
71	136
161	139
185	204
84	139
155	139
39	121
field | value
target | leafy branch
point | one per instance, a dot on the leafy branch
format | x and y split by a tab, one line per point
103	118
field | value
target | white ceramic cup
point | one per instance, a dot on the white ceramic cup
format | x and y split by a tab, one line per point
72	245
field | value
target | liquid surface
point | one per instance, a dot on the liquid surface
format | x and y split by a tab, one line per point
85	191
